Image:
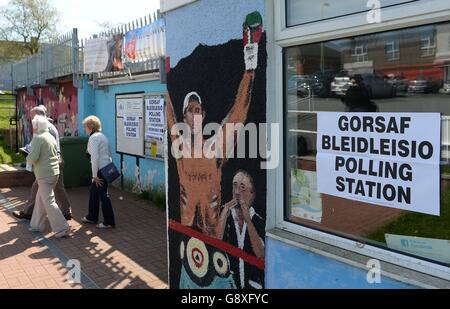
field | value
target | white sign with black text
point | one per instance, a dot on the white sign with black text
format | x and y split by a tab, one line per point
96	55
155	118
385	159
131	127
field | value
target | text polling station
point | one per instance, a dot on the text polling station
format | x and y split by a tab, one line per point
386	159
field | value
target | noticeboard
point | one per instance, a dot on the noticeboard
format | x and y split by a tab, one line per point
130	124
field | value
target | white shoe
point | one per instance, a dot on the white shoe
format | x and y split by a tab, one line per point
104	227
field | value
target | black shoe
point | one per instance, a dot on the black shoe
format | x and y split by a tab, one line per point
68	217
21	215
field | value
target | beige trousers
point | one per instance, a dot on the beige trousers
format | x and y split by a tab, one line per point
60	195
46	210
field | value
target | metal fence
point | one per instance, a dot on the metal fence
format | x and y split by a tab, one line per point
6	83
141	64
63	57
58	57
54	60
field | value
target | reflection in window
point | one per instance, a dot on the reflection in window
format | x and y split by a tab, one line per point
392	51
404	70
427	46
360	53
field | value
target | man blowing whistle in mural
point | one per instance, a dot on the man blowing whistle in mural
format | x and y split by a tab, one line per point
200	176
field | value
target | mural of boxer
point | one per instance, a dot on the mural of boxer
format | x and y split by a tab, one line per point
218	84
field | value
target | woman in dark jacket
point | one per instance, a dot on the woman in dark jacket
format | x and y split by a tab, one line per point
357	98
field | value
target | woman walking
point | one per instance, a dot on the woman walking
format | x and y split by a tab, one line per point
45	160
100	155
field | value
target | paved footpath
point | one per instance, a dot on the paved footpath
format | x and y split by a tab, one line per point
134	255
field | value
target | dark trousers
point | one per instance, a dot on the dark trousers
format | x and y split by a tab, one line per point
95	196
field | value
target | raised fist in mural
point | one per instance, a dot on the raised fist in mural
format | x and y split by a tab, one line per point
253	30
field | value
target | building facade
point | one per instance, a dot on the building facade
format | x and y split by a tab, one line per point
140	174
397	50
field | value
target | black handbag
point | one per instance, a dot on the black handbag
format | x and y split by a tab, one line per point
110	173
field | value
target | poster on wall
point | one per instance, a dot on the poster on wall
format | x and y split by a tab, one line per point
96	55
217	204
381	159
306	202
155	120
130	124
145	43
103	55
131	38
155	125
130	106
131	127
115	46
436	249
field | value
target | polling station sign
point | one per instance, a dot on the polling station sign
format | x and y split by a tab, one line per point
385	159
155	120
131	127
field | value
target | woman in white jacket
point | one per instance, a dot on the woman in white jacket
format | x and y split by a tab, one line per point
100	154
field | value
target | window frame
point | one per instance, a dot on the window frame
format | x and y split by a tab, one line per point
360	53
394	53
322	18
429	49
398	17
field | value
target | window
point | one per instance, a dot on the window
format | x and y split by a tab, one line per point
413	83
360	53
304	11
428	46
392	51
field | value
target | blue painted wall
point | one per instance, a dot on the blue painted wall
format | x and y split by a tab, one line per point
102	104
289	267
209	22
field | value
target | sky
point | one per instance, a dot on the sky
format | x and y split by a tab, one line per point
86	14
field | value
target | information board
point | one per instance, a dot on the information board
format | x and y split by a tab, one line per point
130	125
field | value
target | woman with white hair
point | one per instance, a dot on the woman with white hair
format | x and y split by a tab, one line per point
45	160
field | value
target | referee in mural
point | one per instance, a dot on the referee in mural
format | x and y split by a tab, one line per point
240	224
222	84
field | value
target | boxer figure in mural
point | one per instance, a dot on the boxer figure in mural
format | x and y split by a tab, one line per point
200	178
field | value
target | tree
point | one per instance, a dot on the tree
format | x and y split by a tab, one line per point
29	22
